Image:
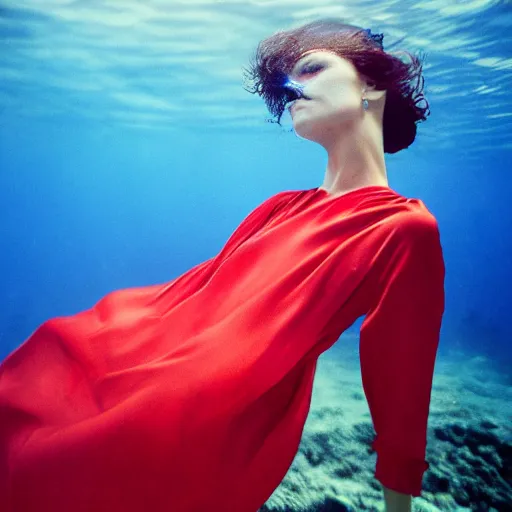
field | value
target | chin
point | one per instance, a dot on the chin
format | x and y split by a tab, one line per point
320	130
307	129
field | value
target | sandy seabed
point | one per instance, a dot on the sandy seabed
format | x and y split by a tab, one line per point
469	445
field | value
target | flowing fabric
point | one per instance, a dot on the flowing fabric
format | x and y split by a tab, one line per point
192	396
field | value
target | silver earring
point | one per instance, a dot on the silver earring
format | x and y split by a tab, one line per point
365	104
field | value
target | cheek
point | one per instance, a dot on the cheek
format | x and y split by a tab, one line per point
343	101
332	103
334	98
335	110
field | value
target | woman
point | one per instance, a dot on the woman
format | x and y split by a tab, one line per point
192	396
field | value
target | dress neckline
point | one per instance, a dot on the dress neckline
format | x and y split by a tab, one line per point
367	188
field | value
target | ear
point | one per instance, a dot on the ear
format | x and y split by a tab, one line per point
371	93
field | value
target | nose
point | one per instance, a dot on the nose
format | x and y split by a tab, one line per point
296	89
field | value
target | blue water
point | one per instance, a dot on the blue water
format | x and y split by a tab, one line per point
129	150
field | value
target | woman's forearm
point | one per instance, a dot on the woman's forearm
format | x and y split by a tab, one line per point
397	502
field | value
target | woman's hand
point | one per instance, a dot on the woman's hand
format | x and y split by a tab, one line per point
397	502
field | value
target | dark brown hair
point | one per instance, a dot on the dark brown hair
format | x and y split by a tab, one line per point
403	81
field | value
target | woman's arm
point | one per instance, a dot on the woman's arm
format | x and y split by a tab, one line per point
398	346
396	501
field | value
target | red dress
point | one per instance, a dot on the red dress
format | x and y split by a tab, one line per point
192	395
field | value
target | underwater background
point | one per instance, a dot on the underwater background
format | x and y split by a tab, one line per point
130	151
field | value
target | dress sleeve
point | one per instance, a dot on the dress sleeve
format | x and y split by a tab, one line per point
398	345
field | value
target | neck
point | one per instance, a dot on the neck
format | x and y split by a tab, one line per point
356	158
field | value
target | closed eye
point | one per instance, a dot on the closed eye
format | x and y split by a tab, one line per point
309	69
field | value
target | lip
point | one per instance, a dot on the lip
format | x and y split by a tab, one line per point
296	105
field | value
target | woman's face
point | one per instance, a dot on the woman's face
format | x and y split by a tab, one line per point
335	91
